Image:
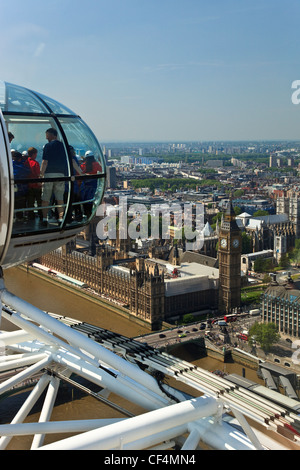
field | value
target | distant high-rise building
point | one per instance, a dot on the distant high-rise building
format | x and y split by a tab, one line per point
111	177
273	160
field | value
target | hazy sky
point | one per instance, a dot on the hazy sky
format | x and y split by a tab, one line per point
168	70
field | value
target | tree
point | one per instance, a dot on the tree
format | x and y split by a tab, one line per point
266	278
188	318
259	265
246	243
263	265
284	261
295	254
260	212
239	193
266	334
217	217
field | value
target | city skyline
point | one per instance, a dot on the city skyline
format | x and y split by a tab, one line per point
161	71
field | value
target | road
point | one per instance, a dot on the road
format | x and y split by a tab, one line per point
192	331
184	333
282	276
171	336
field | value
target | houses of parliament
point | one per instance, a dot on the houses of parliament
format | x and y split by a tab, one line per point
163	282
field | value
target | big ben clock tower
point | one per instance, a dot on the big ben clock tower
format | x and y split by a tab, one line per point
229	252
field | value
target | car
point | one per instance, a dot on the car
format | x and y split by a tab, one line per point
194	329
179	331
242	336
182	335
161	335
202	326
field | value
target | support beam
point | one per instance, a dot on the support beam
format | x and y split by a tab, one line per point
80	341
38	333
139	426
13	337
156	438
27	406
24	361
99	396
117	383
25	374
192	440
14	357
48	405
54	427
247	428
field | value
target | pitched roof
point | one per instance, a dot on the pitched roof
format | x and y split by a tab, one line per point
192	257
207	230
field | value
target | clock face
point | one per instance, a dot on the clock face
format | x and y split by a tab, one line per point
224	242
235	243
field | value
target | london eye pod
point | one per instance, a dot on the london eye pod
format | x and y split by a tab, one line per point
44	206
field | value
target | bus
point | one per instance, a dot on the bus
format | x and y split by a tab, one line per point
230	318
254	312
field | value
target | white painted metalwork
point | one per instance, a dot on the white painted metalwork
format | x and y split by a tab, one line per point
48	350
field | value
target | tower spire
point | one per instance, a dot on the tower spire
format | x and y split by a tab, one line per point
229	221
229	261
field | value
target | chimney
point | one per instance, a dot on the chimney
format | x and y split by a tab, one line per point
273	279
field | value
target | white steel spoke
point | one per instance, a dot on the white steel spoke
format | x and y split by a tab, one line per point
27	406
46	343
25	374
53	427
46	410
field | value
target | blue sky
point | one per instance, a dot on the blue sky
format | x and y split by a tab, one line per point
160	70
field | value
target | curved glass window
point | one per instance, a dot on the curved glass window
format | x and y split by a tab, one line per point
87	160
29	131
2	95
58	165
55	106
20	100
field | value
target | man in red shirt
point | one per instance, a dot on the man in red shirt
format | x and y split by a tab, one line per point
35	189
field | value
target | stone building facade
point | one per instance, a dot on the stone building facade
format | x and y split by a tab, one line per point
290	204
137	284
281	305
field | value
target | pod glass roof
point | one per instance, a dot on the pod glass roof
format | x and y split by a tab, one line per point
17	99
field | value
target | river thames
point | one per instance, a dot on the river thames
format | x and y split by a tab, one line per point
71	403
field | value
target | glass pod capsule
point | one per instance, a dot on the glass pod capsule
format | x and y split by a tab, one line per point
52	174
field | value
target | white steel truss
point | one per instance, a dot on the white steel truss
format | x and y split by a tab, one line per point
47	349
